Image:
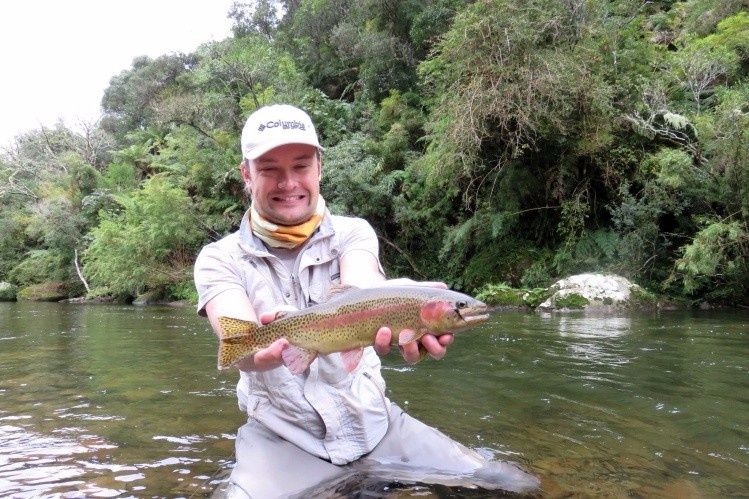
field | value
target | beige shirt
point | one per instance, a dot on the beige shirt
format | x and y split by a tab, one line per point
326	411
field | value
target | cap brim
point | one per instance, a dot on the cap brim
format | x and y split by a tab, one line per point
260	150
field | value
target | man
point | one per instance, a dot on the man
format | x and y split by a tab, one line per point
308	430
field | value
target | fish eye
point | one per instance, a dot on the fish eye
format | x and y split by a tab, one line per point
461	304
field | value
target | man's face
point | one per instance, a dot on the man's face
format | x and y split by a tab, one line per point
284	183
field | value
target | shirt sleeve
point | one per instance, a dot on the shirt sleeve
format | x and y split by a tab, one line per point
214	273
361	236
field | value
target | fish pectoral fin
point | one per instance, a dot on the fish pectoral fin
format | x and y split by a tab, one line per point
297	359
407	336
351	358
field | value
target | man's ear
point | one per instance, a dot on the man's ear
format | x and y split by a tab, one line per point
244	168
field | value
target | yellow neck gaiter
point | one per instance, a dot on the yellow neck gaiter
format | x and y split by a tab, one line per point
286	236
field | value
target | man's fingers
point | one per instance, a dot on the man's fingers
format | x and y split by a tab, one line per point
410	352
267	317
433	345
271	356
273	315
446	339
382	340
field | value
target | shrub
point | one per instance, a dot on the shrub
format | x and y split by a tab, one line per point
8	291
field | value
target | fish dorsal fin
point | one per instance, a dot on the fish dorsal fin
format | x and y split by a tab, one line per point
338	290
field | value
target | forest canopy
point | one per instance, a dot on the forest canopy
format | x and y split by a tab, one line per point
485	141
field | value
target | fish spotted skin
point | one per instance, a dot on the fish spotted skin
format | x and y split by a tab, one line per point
350	321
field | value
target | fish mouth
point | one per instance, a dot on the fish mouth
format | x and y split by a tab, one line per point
473	314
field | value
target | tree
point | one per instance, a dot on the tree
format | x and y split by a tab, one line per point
129	98
149	245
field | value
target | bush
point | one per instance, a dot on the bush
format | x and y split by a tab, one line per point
8	291
47	291
39	266
149	245
501	295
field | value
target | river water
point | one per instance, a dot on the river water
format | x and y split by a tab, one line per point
118	401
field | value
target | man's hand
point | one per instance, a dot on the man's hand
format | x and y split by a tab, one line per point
270	357
432	344
265	359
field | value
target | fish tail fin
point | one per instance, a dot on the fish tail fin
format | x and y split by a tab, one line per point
297	359
236	340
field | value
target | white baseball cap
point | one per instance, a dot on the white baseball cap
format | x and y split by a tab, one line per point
277	125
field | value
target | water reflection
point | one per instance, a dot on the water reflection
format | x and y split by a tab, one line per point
31	462
126	401
105	401
593	339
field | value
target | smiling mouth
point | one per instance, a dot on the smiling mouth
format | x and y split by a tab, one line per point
288	199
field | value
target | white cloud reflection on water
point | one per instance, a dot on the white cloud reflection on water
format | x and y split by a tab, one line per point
31	463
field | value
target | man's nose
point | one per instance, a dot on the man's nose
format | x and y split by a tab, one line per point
285	180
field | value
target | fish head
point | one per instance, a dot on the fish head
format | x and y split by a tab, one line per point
451	311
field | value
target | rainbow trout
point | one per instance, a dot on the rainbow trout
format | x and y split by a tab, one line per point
348	322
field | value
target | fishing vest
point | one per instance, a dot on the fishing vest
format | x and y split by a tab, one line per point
333	414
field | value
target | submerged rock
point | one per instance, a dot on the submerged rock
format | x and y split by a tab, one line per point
598	292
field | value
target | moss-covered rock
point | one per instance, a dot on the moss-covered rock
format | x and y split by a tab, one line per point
570	301
46	291
8	291
536	296
597	292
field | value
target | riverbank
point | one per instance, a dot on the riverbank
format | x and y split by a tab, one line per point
602	293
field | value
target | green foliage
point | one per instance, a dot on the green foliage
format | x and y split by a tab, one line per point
571	300
430	22
149	245
119	177
56	223
46	291
597	250
702	16
130	99
725	133
717	261
536	296
8	291
354	183
39	266
701	65
486	141
641	297
12	238
504	77
500	295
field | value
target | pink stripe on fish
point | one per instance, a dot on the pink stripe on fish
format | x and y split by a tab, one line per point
360	315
